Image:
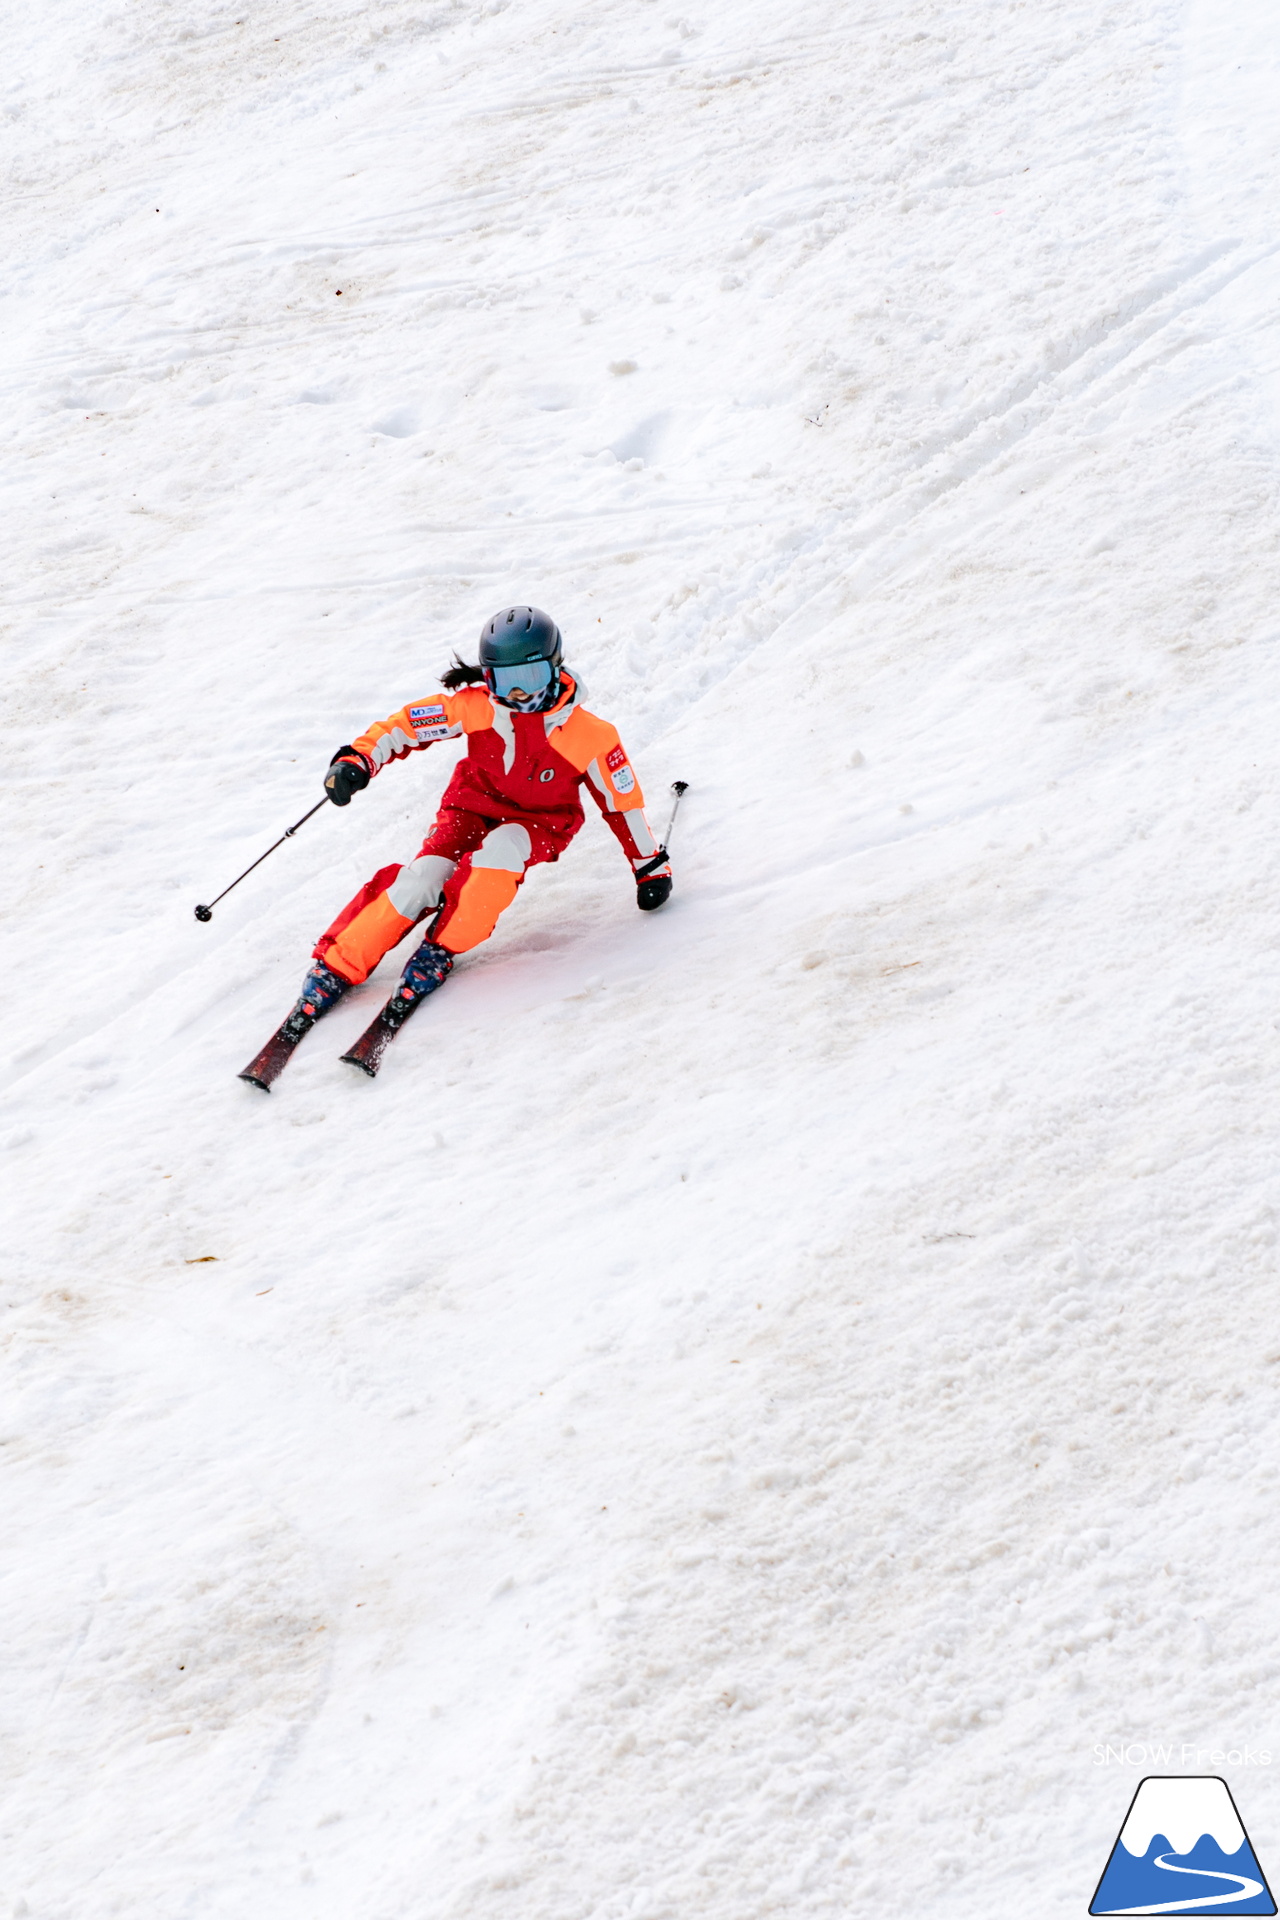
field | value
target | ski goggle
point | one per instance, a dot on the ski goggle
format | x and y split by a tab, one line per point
528	680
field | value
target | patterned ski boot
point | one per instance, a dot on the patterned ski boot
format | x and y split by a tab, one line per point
321	990
428	969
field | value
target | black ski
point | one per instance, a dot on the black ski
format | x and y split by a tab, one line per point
373	1042
274	1058
321	990
429	968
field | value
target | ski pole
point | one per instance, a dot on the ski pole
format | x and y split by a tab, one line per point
679	788
206	913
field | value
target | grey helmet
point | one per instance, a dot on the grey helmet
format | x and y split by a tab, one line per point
522	638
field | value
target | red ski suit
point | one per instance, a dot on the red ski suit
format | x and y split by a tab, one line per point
513	802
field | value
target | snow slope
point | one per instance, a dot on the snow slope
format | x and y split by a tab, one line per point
779	1380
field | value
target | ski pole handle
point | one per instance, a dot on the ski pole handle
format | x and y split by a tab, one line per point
206	913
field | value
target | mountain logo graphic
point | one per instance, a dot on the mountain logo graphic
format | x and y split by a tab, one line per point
1182	1850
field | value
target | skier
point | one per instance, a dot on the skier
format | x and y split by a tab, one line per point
512	803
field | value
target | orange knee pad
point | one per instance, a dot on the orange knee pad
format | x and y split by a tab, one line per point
484	894
361	944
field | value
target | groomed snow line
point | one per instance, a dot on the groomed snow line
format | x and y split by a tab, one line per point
755	1398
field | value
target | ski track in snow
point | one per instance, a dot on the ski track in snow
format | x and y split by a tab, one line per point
750	1396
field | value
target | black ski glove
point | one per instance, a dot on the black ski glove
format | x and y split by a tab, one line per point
653	882
348	773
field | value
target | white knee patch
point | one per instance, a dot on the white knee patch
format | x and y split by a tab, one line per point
507	847
418	887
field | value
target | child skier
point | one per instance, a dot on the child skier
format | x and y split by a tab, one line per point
512	803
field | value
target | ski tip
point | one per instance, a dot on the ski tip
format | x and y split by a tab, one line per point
252	1080
369	1066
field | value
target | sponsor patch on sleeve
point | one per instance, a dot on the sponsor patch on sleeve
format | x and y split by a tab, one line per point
615	758
623	779
429	722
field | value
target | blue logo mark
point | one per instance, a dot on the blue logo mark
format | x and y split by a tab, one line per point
1182	1850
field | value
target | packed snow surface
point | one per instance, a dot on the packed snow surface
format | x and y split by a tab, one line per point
753	1394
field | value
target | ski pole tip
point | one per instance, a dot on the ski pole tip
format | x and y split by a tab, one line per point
204	913
679	786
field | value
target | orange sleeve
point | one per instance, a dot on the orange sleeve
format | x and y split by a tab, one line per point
592	747
444	716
